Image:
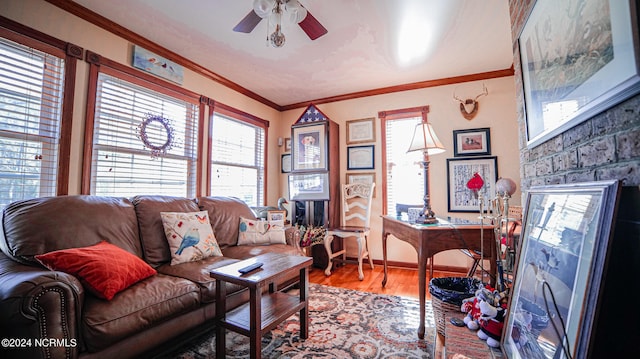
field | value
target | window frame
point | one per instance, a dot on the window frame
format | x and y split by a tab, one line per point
238	115
40	41
391	115
99	64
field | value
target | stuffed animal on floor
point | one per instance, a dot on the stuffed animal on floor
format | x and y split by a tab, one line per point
471	306
491	323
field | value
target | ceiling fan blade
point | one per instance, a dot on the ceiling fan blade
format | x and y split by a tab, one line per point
312	27
249	23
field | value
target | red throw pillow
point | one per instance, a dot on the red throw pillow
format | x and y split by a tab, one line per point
104	269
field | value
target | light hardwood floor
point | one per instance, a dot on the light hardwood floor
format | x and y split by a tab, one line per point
401	281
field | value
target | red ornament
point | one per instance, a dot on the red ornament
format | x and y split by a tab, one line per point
475	183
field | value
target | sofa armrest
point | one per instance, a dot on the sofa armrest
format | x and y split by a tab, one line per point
41	308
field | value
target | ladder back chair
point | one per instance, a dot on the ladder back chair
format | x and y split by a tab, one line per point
356	213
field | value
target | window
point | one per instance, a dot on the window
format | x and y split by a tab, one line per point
403	170
121	163
237	157
31	95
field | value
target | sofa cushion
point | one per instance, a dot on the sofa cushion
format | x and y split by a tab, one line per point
260	232
190	236
142	306
148	208
198	272
224	214
47	224
103	269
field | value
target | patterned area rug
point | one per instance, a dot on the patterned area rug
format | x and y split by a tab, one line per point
342	324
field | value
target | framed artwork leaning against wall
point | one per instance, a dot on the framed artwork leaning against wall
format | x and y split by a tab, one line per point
563	252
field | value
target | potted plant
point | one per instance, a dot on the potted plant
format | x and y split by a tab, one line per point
310	236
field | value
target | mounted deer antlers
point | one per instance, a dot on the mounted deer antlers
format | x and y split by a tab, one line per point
473	104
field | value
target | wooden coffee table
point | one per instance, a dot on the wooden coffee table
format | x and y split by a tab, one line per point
263	312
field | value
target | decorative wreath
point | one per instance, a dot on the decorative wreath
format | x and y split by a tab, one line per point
156	150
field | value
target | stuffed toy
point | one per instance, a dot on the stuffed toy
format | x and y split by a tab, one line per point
491	323
471	306
479	307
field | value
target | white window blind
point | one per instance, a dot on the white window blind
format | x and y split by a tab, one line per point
405	183
121	165
31	93
237	160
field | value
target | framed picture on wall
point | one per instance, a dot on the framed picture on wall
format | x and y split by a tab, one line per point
309	147
361	131
472	142
460	171
575	66
287	144
150	62
360	157
285	163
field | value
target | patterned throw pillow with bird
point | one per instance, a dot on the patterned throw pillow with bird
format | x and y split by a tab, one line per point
190	236
253	232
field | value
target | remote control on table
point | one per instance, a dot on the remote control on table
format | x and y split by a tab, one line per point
249	268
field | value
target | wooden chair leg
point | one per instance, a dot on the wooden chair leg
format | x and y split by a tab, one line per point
361	247
366	242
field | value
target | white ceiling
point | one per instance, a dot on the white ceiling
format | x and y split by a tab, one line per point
370	44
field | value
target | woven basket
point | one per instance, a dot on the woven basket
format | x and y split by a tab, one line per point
447	295
440	308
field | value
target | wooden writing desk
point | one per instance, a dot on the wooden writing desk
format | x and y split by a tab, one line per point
429	239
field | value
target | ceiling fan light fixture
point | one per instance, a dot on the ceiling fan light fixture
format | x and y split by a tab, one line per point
273	10
277	38
295	11
263	8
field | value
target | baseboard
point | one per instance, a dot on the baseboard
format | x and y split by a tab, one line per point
436	267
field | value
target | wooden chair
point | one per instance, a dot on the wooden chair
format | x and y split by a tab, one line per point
356	213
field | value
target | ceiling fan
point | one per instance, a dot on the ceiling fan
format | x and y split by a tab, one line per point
274	10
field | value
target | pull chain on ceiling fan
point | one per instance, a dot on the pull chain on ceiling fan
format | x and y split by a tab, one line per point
274	10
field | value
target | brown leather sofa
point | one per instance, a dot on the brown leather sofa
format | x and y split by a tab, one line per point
38	303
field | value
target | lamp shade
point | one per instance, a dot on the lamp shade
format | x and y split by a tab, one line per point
425	139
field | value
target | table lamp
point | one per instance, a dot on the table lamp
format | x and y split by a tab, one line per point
425	140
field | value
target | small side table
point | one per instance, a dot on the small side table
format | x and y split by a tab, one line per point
262	313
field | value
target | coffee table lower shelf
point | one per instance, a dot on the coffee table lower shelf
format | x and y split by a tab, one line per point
267	306
276	307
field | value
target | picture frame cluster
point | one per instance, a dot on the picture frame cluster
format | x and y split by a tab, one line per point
361	136
472	154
